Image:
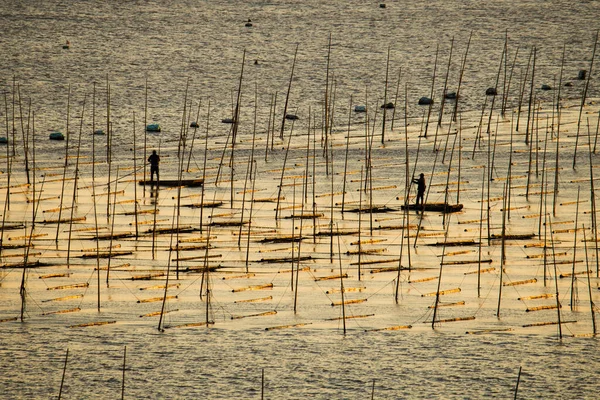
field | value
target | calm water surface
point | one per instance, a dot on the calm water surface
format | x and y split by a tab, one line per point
176	46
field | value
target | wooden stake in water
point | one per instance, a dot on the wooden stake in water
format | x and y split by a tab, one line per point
587	267
503	251
583	97
387	68
135	196
346	157
62	190
287	97
112	227
574	251
517	385
75	184
123	380
62	380
341	282
437	49
460	77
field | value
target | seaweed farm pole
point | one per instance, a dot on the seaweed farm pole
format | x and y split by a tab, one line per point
574	250
23	291
123	380
531	97
460	77
8	163
517	385
162	309
293	231
387	68
395	98
437	293
437	49
75	184
359	221
112	227
314	174
62	190
587	268
307	159
204	166
108	132
507	90
445	86
250	217
299	249
272	127
503	250
282	173
62	380
489	124
558	114
346	157
583	97
268	129
25	140
522	91
135	197
331	212
248	167
287	97
33	166
483	180
341	282
556	283
94	188
459	159
593	213
326	103
196	126
145	128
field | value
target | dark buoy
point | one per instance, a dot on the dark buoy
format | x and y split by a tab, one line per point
546	87
248	24
581	75
491	91
227	120
424	101
381	5
360	109
194	125
569	84
291	117
255	62
388	106
450	96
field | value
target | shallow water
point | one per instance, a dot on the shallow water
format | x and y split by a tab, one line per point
171	42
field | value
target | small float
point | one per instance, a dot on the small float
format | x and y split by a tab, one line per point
248	24
153	128
436	207
3	140
98	132
360	108
425	101
450	96
291	117
388	106
194	125
491	91
228	120
57	136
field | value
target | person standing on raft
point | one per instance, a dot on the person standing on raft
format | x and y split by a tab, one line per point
154	159
420	189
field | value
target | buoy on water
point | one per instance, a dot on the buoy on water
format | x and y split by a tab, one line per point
248	24
491	91
57	136
360	109
424	101
194	125
153	128
98	132
546	87
291	117
3	140
388	106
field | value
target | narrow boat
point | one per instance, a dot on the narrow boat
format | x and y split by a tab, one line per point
173	182
153	128
437	207
57	136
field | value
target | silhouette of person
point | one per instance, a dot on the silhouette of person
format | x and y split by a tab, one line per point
420	189
154	159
